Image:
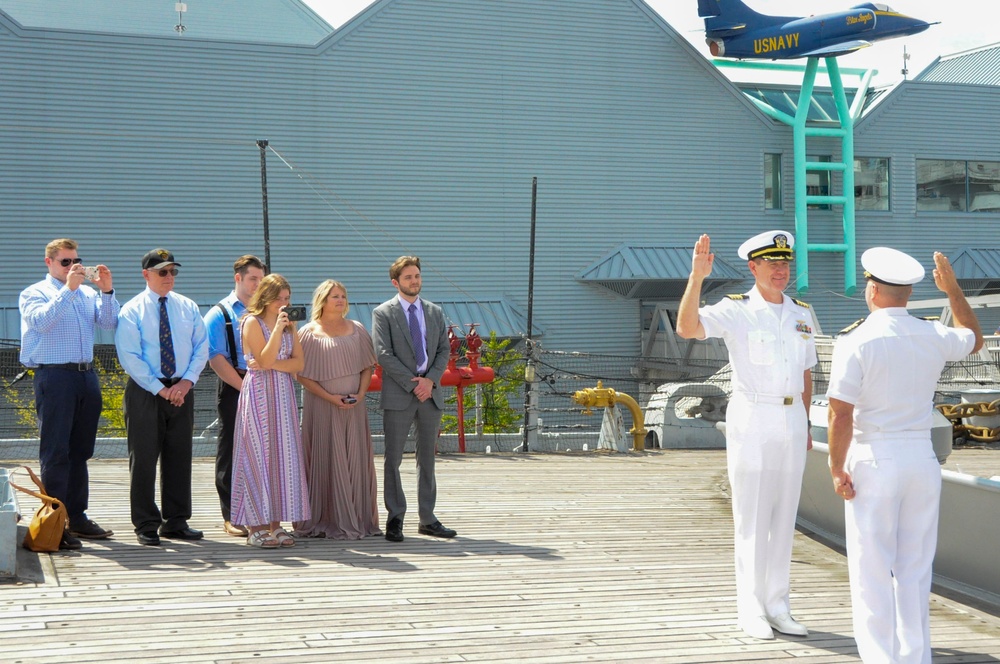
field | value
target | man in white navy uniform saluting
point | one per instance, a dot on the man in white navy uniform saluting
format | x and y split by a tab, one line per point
771	349
882	381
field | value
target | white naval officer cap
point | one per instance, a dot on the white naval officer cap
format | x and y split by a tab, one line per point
891	267
771	246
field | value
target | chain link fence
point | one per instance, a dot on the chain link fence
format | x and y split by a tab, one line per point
494	413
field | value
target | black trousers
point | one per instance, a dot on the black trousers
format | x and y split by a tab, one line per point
228	400
158	432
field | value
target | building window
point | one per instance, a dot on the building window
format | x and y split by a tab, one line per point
772	181
940	185
984	186
871	183
818	183
958	186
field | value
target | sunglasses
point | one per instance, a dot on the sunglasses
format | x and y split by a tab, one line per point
172	271
66	262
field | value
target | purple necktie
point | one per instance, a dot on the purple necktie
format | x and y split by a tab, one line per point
416	337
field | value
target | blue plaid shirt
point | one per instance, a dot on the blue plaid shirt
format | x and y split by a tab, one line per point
57	324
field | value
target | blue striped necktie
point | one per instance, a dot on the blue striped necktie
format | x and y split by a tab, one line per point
168	364
416	337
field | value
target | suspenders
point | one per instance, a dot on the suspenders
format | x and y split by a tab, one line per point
231	336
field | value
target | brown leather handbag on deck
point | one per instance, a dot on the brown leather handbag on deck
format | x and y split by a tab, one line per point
46	529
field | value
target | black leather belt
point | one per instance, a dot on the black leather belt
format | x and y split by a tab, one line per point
69	366
169	382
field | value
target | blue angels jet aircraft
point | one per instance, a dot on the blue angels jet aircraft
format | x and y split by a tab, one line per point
733	30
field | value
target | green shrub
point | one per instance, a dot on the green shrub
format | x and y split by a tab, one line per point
499	416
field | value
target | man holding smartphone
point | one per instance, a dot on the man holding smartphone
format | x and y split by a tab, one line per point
58	317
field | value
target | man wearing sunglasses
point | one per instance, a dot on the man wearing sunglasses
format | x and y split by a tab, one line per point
162	345
58	318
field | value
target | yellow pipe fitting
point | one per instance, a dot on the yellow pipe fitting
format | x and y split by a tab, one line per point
604	397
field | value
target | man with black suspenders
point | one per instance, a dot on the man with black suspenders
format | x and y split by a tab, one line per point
225	353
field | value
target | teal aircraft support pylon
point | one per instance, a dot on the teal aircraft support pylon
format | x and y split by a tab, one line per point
801	131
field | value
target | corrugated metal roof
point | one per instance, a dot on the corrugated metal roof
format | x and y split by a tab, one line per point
499	316
653	272
975	263
262	21
980	66
977	270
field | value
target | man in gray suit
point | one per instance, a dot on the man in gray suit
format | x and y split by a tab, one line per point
411	344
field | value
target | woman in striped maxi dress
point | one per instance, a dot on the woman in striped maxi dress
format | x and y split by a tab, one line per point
269	481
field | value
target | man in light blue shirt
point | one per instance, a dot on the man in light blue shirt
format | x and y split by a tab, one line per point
163	347
58	317
225	356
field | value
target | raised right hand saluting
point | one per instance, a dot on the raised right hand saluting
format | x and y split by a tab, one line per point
702	259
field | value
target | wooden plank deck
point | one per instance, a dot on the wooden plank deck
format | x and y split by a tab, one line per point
560	558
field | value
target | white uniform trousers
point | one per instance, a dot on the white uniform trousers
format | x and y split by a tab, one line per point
766	456
892	526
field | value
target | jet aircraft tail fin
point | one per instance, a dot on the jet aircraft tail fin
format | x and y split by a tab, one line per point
724	18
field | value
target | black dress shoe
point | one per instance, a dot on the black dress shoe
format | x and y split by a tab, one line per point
69	543
183	534
88	529
148	538
394	530
436	530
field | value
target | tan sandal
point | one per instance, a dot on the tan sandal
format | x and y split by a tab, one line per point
262	540
282	537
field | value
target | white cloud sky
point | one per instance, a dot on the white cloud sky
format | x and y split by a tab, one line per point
964	25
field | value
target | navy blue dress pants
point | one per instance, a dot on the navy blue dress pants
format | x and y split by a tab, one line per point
68	404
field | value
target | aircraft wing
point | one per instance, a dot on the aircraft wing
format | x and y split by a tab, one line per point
834	50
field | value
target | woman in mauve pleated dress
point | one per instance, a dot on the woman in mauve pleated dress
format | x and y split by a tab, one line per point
343	491
269	479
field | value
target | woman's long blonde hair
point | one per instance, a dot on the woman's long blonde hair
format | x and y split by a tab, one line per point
267	292
319	298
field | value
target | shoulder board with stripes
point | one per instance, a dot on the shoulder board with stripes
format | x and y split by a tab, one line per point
738	296
853	326
800	303
931	318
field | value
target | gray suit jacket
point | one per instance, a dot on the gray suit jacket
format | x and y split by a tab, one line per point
394	350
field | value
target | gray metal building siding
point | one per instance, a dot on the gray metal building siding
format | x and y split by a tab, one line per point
422	128
265	21
919	121
417	129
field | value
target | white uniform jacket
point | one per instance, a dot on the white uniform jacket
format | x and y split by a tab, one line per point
769	351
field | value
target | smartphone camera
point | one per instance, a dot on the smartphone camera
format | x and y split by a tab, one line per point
90	273
349	400
295	313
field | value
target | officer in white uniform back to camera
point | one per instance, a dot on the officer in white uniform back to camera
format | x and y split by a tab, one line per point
771	348
882	383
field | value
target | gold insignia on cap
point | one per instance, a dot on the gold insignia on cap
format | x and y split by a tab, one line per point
781	241
163	254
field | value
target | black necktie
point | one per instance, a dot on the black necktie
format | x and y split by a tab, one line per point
416	337
168	365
